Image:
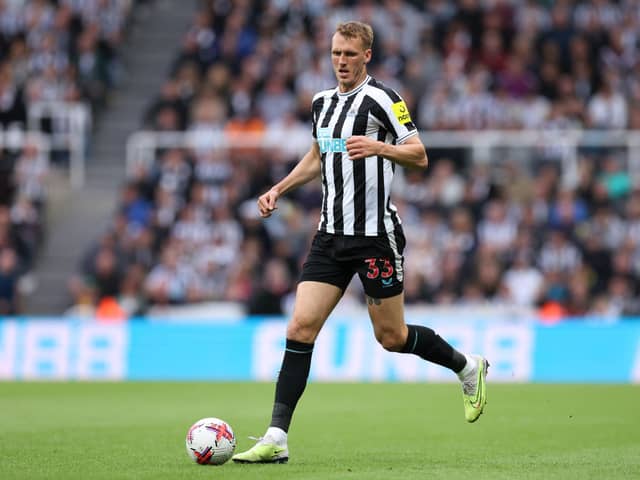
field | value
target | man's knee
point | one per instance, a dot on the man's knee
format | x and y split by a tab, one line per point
392	340
302	329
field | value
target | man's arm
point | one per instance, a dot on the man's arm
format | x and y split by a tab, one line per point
411	153
306	170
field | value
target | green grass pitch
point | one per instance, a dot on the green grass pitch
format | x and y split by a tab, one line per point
340	431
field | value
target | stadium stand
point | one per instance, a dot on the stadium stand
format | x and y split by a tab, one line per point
506	232
50	51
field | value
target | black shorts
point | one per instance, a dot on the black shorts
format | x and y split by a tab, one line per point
378	261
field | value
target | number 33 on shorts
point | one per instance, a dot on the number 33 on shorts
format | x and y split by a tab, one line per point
379	267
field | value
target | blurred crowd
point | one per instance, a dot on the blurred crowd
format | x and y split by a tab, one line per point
50	51
186	229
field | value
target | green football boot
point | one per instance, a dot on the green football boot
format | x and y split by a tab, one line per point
265	451
474	390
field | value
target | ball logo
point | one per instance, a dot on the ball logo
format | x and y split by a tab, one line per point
221	431
190	432
401	112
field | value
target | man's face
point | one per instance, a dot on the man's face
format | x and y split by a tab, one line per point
349	59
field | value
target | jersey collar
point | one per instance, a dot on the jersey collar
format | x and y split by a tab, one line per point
355	90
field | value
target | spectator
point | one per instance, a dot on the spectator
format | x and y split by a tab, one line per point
105	273
172	281
30	173
523	282
274	284
608	108
93	70
461	235
12	106
487	276
9	277
558	254
446	187
567	210
497	231
136	209
578	300
615	179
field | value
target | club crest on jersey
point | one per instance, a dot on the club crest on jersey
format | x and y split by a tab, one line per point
324	132
401	112
328	144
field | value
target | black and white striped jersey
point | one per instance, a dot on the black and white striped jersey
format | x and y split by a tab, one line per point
356	193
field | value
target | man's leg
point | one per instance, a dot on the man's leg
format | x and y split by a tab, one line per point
387	316
314	302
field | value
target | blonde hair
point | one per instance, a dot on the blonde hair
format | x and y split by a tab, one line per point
360	30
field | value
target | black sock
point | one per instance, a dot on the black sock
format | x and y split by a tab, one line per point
291	382
425	343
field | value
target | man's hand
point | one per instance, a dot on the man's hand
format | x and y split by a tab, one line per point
267	202
360	146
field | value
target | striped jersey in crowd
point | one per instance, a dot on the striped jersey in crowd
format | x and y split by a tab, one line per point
356	193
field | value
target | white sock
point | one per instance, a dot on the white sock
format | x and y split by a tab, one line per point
470	367
278	435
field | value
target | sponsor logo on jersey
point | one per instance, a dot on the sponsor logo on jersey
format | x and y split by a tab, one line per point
328	144
401	112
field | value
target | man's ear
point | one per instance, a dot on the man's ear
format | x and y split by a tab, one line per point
367	55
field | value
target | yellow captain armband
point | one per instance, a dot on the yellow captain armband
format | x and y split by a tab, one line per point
401	112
